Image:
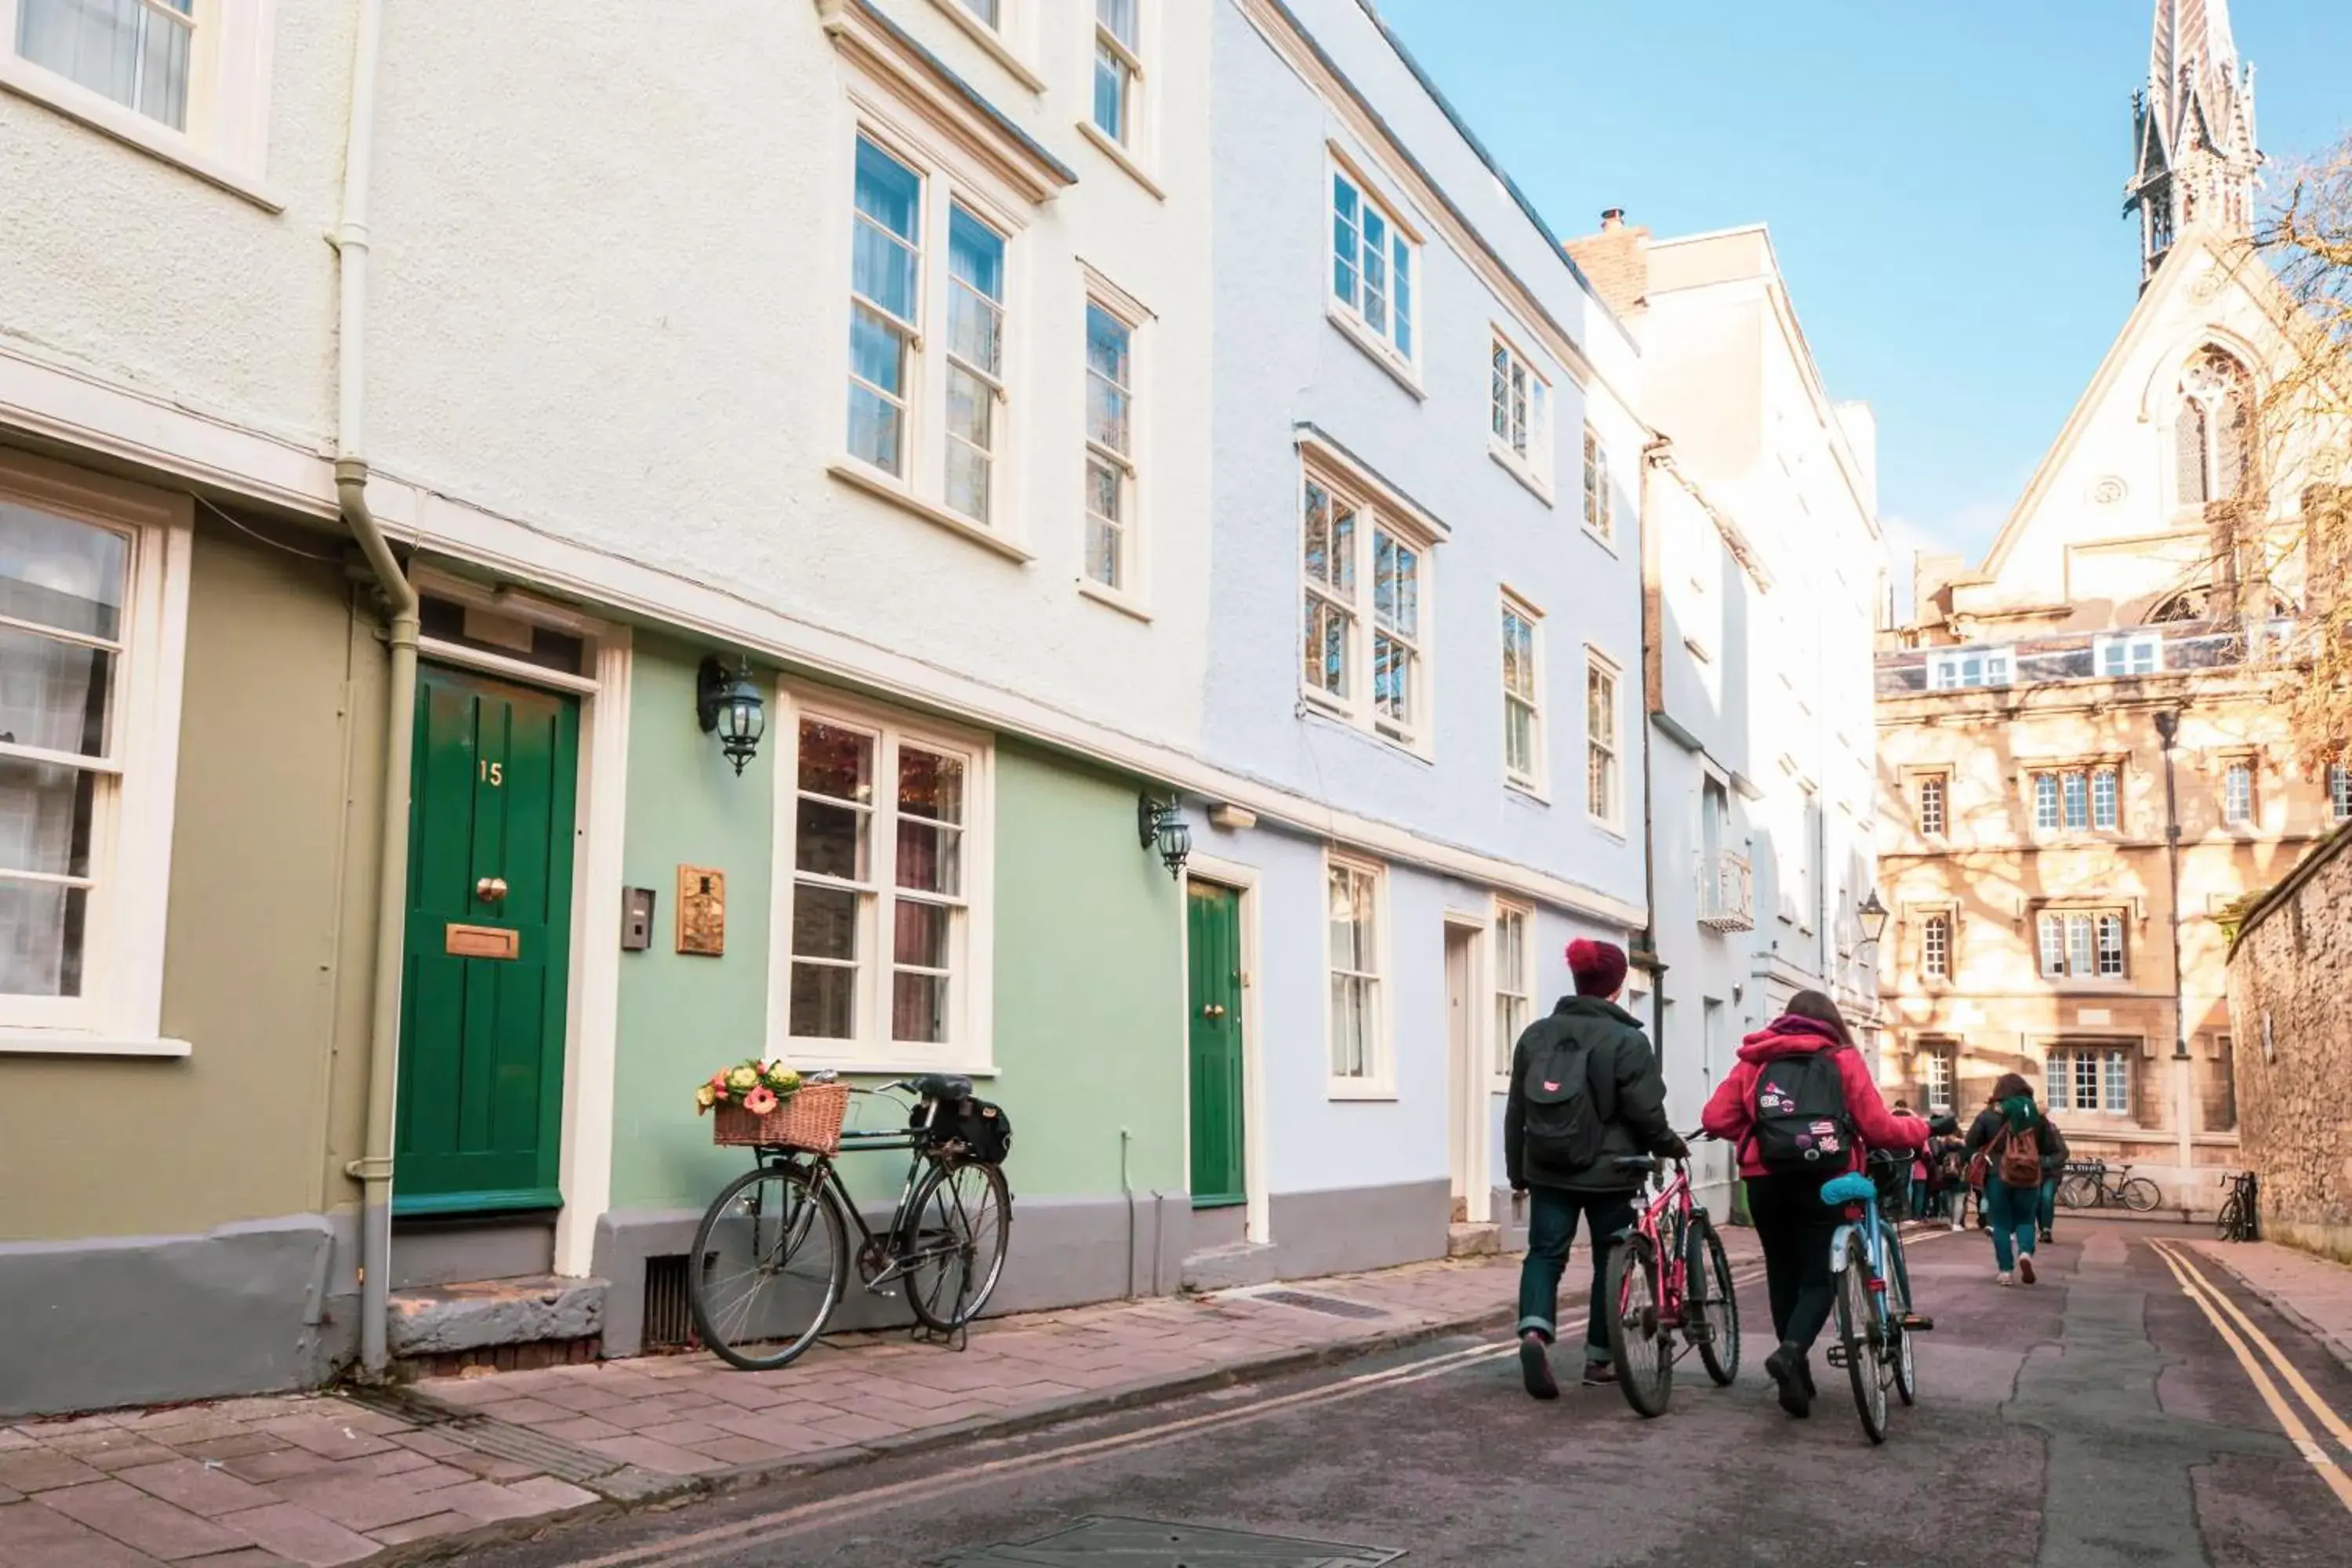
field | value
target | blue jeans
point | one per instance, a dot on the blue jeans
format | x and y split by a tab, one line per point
2049	1203
2012	1212
1552	1214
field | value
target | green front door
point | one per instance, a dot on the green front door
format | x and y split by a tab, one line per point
489	929
1215	931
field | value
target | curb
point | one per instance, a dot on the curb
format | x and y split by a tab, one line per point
1136	1395
2327	1338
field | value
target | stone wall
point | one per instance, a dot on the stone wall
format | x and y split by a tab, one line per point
2290	979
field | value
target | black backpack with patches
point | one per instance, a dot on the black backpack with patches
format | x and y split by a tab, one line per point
1801	1122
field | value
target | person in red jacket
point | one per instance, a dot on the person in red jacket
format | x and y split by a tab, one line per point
1791	1222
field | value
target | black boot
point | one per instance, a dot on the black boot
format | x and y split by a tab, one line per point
1787	1368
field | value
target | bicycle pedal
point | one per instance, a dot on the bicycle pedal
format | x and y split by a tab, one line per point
1912	1324
1838	1358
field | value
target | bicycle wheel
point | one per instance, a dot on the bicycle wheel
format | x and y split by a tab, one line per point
1857	1320
962	1221
1898	1305
2140	1195
2078	1192
1637	1333
1714	1301
769	1263
2231	1220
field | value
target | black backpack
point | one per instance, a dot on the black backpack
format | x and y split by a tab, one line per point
1800	1123
1561	1127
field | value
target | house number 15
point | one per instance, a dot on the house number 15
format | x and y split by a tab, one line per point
492	773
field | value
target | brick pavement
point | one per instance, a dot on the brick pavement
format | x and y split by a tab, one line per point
2313	1292
324	1478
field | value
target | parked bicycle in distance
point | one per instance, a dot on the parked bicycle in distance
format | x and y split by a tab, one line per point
1670	1277
2090	1185
1874	1319
770	1257
2241	1218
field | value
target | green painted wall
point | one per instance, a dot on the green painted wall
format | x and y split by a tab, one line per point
264	971
681	1017
1088	1009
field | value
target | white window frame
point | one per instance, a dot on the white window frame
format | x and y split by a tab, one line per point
1598	663
1376	513
970	1048
1935	945
1378	1081
1133	593
2055	796
1348	310
1938	1079
2339	792
2128	656
1532	782
119	1010
1514	929
1599	506
1129	138
2237	774
947	181
1935	806
2111	1071
1010	40
227	141
1519	396
1948	669
2077	938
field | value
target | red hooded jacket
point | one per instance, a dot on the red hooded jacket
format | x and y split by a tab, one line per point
1731	1112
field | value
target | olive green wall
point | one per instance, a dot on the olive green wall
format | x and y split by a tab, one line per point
266	963
681	1017
1088	1010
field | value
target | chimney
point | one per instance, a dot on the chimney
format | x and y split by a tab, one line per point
1616	262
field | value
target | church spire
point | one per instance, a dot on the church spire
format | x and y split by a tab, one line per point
2195	160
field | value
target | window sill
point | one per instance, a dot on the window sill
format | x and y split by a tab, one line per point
1360	1090
1520	468
890	1068
851	472
129	127
1526	792
997	49
1122	157
1602	825
1111	598
1314	705
1380	352
72	1042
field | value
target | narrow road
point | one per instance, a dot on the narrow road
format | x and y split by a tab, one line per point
2137	1407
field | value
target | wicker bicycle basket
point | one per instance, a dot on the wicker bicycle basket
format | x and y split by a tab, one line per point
810	1117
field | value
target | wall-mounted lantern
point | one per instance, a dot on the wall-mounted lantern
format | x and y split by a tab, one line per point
729	705
1873	916
1159	826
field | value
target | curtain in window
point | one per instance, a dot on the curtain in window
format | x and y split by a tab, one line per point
133	51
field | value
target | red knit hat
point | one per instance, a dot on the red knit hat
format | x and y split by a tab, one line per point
1599	967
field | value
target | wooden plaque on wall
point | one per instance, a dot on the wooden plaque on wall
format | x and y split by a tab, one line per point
701	910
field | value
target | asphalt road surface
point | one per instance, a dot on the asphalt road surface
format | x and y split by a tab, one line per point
2118	1415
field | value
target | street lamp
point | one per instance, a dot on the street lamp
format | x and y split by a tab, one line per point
1873	915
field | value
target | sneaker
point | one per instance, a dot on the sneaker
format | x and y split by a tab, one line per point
1535	1366
1786	1367
1600	1374
2006	1277
1956	1227
2047	1238
2025	1268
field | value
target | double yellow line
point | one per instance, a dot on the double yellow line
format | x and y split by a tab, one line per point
2209	1298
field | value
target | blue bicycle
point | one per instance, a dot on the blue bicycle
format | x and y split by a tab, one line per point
1875	1319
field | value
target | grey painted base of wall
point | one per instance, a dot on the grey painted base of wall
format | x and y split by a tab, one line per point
115	1321
1063	1252
1347	1229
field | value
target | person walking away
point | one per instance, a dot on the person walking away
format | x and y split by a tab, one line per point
2010	1140
1915	1197
2055	1155
1802	1108
1586	1092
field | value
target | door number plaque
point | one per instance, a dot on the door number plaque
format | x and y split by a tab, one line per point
482	942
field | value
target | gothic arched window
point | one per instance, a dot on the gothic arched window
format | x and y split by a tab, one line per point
2187	605
2214	430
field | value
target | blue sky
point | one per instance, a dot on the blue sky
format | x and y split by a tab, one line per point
1944	183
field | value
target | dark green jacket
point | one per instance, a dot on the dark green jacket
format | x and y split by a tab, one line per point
1628	1092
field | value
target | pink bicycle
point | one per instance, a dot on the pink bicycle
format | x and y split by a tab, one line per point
1670	1285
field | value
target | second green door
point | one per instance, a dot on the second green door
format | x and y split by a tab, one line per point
1213	935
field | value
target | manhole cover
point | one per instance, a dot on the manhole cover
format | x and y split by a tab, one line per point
1154	1543
1330	1305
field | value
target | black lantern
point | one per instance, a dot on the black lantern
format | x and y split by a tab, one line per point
1159	826
1873	915
729	704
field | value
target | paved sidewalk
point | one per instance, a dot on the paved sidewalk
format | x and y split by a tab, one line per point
2311	1292
344	1477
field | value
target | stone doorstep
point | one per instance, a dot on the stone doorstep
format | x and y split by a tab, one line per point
1468	1240
1230	1267
446	1320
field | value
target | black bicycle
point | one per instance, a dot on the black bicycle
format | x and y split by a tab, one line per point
2240	1219
771	1260
2090	1185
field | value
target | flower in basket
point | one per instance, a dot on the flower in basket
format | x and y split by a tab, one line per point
760	1100
705	1098
744	1077
782	1078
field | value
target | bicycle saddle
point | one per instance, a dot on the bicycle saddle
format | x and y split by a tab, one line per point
943	1086
1853	1188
